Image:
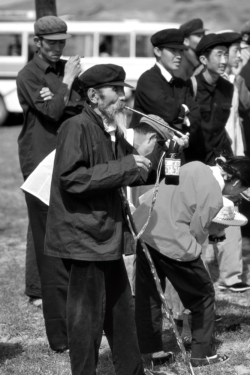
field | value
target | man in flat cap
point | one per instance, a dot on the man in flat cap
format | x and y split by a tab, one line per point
48	93
214	96
87	223
245	113
159	93
245	73
193	32
229	251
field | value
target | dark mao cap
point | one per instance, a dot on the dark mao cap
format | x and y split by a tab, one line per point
104	75
169	38
51	27
192	27
210	41
231	37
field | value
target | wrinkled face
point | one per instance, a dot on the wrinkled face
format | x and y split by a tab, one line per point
193	40
50	50
169	58
234	55
217	60
111	100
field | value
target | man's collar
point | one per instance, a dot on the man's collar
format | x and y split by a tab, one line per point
208	86
168	77
44	65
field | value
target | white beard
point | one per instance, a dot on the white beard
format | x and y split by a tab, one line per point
117	119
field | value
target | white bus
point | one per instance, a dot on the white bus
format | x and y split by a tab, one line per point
125	43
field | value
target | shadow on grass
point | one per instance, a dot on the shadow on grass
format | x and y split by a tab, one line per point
9	350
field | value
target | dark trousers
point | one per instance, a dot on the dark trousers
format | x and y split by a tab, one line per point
32	278
196	292
53	275
99	298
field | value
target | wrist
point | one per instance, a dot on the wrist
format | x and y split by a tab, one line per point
68	80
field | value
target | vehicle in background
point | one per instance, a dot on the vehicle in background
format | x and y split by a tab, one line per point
125	43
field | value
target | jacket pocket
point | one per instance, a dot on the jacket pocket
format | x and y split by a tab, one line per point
222	113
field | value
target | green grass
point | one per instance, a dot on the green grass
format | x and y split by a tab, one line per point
23	346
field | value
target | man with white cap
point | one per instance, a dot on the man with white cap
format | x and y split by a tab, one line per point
48	93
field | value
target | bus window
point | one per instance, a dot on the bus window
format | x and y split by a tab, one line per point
144	47
114	45
10	45
81	44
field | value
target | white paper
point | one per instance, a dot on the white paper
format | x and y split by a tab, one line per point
39	181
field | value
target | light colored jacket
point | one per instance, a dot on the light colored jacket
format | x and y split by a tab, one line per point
182	214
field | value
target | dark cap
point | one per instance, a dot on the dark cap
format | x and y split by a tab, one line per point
51	27
210	41
192	27
161	129
171	38
231	37
104	75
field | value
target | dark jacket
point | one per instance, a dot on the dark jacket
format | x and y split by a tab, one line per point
154	95
86	219
245	112
43	118
215	103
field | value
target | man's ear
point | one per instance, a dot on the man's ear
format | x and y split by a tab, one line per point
157	51
37	41
92	95
203	60
152	137
186	42
236	182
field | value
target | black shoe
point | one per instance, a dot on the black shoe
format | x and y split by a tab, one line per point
238	287
160	358
200	362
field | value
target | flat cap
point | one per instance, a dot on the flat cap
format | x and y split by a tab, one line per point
104	75
245	31
171	38
51	27
192	27
231	37
210	41
161	129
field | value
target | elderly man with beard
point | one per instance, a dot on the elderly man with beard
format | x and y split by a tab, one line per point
87	224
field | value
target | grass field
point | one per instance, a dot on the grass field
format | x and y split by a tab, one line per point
23	346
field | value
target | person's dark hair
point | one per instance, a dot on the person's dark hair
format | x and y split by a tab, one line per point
144	128
238	167
160	48
207	52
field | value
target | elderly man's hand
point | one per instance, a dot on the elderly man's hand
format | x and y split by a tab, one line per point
142	162
46	94
183	142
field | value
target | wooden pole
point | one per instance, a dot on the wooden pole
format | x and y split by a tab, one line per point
45	8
